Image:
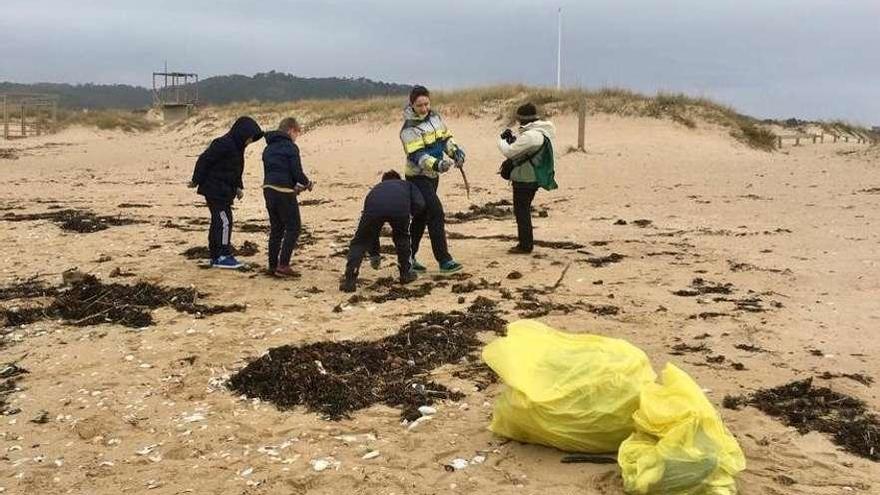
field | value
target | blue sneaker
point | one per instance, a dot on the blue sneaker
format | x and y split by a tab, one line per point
450	266
418	267
228	262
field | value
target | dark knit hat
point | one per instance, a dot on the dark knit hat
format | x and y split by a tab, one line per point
416	92
526	113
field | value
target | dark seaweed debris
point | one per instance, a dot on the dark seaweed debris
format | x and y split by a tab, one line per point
600	261
87	301
533	306
856	377
8	154
471	286
336	379
750	348
10	374
201	252
807	408
496	210
388	289
27	289
82	221
682	348
568	245
700	287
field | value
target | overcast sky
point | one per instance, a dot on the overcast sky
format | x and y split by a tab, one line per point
769	58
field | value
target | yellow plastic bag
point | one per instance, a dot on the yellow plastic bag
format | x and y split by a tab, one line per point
575	392
680	446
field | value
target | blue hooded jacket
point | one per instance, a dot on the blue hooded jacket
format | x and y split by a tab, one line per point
282	166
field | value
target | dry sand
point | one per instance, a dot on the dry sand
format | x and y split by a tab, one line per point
796	217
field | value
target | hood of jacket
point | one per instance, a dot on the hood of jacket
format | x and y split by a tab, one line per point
410	115
543	126
243	129
277	137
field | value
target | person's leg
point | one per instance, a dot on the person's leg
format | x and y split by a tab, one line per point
276	227
215	230
292	227
375	256
420	221
367	230
226	230
523	194
436	220
400	235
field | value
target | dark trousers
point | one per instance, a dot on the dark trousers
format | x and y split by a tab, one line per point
432	217
220	232
366	239
523	194
284	226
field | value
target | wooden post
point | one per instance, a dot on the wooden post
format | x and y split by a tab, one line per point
779	141
814	138
797	141
582	125
5	118
23	113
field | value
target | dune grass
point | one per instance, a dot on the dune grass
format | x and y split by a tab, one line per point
126	121
501	101
498	102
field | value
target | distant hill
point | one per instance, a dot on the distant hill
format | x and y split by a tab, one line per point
277	86
270	86
93	96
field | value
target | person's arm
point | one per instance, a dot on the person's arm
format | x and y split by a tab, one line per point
454	151
526	142
240	185
205	162
296	168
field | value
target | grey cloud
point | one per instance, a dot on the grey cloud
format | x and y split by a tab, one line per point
808	58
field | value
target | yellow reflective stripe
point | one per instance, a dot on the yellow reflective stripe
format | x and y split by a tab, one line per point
426	139
413	146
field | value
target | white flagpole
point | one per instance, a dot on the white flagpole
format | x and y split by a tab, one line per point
559	54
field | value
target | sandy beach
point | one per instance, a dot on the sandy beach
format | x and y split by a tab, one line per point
144	410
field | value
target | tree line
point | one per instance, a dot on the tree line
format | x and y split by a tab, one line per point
269	86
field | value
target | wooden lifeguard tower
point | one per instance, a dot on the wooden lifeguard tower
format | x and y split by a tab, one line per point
175	93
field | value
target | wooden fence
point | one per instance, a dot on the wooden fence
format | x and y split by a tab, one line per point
820	138
26	115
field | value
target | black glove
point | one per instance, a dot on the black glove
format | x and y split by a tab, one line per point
508	136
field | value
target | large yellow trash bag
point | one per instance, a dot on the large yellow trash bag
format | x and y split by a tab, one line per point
680	446
575	392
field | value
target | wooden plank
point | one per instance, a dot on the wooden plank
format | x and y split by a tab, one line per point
5	118
582	124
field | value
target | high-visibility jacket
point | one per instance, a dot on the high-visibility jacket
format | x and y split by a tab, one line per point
425	141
